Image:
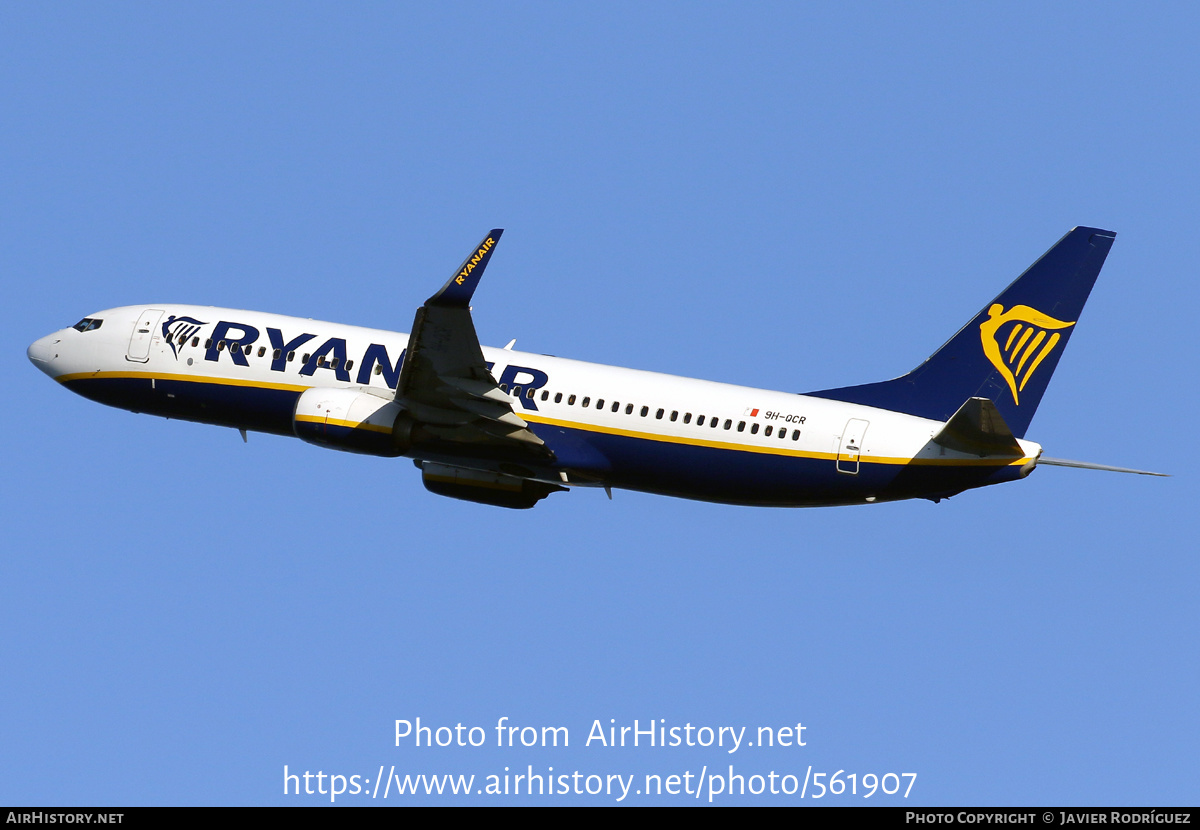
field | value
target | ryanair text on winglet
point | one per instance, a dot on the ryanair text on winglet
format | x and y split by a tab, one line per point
473	261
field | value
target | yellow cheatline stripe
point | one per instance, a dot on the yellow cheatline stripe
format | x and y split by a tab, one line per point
490	485
338	422
540	419
767	450
258	384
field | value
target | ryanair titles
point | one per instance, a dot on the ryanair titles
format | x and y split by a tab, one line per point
239	342
474	260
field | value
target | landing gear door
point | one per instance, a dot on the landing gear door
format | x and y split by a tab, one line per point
851	447
143	334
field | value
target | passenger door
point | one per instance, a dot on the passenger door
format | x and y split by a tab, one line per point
143	335
851	448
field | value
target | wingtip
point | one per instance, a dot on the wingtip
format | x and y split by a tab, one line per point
459	288
1093	231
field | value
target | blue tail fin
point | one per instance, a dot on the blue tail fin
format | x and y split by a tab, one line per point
1008	351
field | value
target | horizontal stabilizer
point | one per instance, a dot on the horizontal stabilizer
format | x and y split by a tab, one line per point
978	428
1062	462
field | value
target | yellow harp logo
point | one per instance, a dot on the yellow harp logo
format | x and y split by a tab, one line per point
1022	330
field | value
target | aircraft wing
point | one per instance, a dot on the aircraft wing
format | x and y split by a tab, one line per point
445	382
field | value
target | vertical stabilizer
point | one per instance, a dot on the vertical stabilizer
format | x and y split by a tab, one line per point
1008	351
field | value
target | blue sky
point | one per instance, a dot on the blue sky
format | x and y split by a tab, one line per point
787	196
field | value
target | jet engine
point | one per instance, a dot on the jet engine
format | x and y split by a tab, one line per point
357	419
496	489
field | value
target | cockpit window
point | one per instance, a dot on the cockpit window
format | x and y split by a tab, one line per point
88	324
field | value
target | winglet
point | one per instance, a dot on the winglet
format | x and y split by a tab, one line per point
457	291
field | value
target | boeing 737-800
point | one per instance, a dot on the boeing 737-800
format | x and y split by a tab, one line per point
508	428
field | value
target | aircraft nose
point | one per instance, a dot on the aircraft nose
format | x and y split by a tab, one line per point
43	352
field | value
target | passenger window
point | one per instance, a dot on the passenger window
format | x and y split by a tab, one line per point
767	431
292	356
195	342
504	388
782	433
516	391
208	343
558	397
795	435
712	422
754	429
221	346
262	350
545	395
305	358
659	414
378	367
278	353
728	423
674	414
529	392
321	360
571	401
349	365
586	402
699	420
741	426
645	411
687	417
600	403
616	405
628	409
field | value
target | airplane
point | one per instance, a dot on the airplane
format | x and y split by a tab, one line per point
508	428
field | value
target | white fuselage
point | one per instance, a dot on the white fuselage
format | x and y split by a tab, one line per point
167	359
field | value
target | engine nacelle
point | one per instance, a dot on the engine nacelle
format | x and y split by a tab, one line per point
486	488
353	420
